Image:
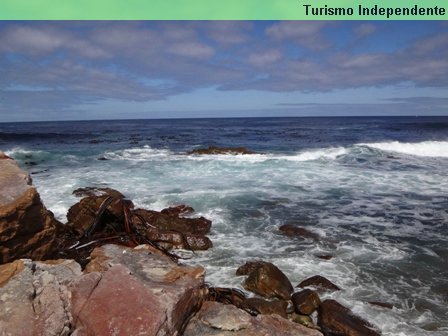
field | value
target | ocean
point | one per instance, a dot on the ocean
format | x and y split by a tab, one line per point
375	190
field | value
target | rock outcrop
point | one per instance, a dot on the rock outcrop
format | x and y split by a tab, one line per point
123	291
227	320
213	150
319	282
27	228
305	302
297	231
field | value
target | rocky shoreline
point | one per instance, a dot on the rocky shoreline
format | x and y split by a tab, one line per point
113	270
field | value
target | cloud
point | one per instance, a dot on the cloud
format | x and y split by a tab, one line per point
364	30
264	58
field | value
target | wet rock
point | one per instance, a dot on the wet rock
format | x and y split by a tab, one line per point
169	221
102	158
296	231
249	267
319	282
178	240
382	304
131	291
27	228
82	215
305	302
335	319
34	297
220	150
268	281
257	306
227	320
178	210
324	256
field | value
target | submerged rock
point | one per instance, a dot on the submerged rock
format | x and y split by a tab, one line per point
27	228
217	319
296	231
335	319
319	282
382	304
221	150
268	280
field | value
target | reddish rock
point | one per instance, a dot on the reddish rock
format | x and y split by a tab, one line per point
178	240
256	306
305	302
269	281
168	221
27	228
213	150
319	282
296	231
178	210
324	256
131	292
217	319
335	319
93	191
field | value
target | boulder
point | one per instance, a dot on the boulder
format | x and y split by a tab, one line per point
27	228
217	319
305	302
81	215
132	291
178	240
382	304
34	297
257	306
305	320
268	281
335	319
178	210
320	283
213	150
296	231
249	267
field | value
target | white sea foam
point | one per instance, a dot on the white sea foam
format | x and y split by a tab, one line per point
425	148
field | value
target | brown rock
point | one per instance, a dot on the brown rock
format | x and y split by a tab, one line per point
305	302
178	210
260	306
324	256
93	191
168	221
227	320
248	267
305	320
135	292
178	240
335	319
319	282
269	281
27	228
296	231
212	150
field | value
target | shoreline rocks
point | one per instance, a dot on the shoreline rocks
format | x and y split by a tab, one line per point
214	150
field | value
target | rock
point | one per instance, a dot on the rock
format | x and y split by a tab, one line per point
227	320
168	221
260	306
81	215
382	304
305	302
305	320
34	298
296	231
324	256
249	267
335	319
178	240
131	291
268	281
178	210
212	150
319	282
27	228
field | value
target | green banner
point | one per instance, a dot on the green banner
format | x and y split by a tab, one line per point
223	10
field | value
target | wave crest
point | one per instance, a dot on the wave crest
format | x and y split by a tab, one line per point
424	148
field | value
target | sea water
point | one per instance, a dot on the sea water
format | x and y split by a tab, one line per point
375	190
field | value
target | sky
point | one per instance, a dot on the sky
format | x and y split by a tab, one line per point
82	70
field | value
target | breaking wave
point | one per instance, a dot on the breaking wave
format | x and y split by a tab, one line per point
425	148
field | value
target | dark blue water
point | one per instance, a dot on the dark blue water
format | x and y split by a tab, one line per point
374	190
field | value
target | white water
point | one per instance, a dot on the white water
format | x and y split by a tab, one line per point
425	148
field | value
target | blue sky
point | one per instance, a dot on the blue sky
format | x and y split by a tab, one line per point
55	70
